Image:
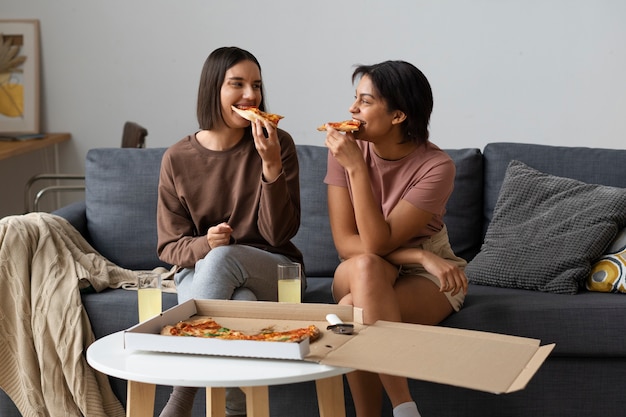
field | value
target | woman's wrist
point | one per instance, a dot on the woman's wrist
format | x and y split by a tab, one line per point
271	172
356	170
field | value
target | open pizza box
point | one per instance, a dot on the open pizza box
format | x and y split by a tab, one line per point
471	359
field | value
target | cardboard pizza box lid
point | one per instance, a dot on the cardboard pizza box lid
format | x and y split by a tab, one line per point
482	361
477	360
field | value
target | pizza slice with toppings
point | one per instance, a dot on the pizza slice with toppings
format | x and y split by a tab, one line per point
345	126
252	114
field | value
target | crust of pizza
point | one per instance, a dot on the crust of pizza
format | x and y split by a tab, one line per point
167	330
253	113
345	126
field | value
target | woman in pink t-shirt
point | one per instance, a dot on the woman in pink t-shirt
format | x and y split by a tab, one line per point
387	190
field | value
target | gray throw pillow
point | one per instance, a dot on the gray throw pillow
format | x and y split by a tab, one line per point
546	231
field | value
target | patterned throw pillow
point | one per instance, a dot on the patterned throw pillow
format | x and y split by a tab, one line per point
547	231
608	274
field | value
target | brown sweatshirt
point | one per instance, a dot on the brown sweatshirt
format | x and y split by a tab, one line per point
200	188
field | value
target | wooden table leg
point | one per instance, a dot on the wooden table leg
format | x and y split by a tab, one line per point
215	402
140	399
330	399
257	401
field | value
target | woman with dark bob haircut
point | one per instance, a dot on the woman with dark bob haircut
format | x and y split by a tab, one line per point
229	200
387	191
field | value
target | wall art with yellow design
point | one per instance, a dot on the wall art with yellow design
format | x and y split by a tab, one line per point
19	76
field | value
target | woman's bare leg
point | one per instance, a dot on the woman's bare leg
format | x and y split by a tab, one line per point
367	282
371	283
367	393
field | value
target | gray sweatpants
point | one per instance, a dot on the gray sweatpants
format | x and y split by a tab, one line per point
236	272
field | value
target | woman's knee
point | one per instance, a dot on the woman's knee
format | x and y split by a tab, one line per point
369	261
218	273
219	262
368	270
218	256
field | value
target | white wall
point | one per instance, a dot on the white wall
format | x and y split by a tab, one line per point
550	71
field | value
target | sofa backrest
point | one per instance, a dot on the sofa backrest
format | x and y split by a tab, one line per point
121	198
463	216
590	165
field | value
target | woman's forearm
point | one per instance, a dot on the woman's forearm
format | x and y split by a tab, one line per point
405	256
373	229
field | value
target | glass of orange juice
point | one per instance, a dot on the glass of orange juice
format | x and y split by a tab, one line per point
289	282
149	295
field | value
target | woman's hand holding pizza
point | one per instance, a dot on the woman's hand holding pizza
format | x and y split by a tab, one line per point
264	127
344	148
268	148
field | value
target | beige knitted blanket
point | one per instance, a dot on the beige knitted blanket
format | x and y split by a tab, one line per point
44	329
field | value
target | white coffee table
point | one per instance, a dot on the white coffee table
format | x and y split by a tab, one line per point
144	370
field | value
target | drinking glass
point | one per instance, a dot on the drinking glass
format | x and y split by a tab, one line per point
149	295
289	282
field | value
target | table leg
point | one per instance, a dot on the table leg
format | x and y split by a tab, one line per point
330	399
215	402
140	399
257	401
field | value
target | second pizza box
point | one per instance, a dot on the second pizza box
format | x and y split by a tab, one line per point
482	361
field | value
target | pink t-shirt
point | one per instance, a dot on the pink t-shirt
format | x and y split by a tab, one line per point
424	178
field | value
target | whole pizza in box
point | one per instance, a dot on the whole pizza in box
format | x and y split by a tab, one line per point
207	327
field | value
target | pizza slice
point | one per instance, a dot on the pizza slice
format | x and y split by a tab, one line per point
292	335
345	126
252	114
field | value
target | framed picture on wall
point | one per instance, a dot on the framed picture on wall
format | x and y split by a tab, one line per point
19	77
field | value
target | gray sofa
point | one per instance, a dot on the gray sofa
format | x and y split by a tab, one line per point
584	376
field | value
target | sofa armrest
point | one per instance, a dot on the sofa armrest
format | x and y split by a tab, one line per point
76	214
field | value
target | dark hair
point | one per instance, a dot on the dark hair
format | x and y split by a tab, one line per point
404	88
209	109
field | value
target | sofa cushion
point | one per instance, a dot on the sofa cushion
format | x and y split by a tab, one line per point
121	198
465	206
116	309
587	324
546	231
